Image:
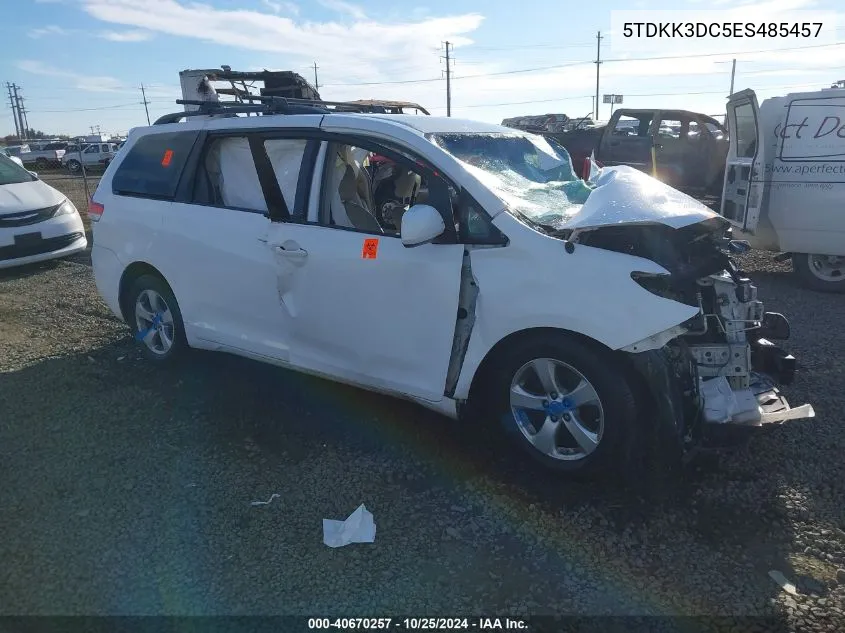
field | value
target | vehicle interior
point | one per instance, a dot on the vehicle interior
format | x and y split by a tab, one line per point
370	192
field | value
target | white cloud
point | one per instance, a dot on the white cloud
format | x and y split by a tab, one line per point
340	6
126	36
346	53
51	29
88	83
281	7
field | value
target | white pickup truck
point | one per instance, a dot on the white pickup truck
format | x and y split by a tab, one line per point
44	155
90	155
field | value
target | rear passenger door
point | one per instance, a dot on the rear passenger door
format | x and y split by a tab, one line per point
221	270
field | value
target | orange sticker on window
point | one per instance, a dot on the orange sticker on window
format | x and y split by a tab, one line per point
370	250
168	156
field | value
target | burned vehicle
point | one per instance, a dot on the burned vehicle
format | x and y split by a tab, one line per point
686	150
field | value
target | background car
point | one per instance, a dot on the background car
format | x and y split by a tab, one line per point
37	222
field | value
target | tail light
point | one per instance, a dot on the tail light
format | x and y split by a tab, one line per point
95	210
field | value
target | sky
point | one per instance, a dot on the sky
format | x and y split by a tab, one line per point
80	63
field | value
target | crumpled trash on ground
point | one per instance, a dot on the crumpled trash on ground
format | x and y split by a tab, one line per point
358	527
720	403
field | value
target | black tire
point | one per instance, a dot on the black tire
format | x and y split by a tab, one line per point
603	373
42	164
74	165
158	286
802	269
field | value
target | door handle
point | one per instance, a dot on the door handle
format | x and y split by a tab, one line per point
290	250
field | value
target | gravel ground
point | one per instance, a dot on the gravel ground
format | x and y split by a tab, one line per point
127	489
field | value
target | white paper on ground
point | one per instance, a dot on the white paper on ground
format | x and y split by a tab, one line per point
357	528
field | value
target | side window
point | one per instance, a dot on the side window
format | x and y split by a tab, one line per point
475	226
92	149
153	165
632	126
669	128
227	177
369	191
745	130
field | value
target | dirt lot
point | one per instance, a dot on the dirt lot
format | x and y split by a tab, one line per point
127	489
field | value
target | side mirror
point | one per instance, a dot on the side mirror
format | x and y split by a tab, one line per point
33	173
421	224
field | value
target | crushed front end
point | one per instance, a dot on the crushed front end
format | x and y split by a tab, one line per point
721	367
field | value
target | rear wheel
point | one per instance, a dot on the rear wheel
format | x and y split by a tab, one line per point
42	163
565	403
825	273
155	319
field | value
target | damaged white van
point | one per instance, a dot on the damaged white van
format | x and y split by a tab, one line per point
454	263
785	180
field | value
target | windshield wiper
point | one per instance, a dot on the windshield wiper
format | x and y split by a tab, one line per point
545	228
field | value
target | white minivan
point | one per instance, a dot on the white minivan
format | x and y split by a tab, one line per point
458	264
785	180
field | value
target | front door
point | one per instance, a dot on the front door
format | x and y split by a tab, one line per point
742	194
361	306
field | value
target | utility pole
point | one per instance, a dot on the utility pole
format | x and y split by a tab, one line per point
448	81
14	109
598	64
733	73
145	102
316	83
23	114
20	116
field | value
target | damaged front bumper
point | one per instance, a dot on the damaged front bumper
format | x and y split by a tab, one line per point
761	403
692	393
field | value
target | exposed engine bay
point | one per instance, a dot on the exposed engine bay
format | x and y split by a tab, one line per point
722	362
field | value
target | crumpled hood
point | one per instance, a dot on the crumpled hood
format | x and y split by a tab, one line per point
624	195
27	196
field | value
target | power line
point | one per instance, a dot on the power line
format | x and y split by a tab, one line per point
651	94
584	63
111	107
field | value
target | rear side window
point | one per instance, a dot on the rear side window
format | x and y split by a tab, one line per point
152	167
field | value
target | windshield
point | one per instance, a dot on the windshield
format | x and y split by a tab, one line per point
533	175
11	173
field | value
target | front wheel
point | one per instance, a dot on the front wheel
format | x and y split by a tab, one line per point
565	403
825	273
74	165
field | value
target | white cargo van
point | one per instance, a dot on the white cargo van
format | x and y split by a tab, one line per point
784	187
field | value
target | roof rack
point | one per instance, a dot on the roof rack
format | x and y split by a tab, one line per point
269	105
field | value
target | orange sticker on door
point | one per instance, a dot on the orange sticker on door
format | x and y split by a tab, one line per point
370	250
168	156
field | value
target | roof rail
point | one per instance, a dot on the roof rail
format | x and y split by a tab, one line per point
278	105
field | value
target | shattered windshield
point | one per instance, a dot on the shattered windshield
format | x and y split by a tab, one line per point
533	176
